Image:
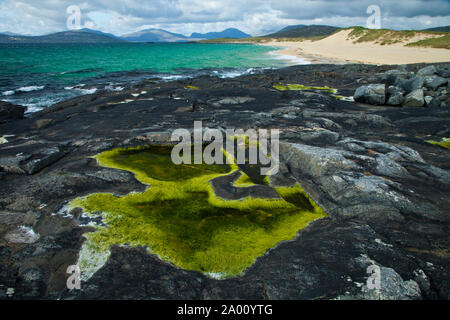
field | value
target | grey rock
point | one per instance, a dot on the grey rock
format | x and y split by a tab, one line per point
42	159
371	94
392	287
410	85
432	102
394	96
427	71
12	164
286	110
319	136
235	100
444	70
387	167
434	82
414	99
389	77
22	235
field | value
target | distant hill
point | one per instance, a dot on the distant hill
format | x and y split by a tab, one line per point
298	26
439	29
72	36
304	31
228	33
155	35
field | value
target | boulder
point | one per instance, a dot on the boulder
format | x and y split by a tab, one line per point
414	99
410	85
394	96
371	94
434	82
427	71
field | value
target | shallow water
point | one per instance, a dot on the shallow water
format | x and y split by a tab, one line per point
38	75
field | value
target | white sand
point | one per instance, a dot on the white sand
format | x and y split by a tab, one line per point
338	48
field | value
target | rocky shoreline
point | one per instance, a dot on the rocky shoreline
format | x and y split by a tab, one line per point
371	168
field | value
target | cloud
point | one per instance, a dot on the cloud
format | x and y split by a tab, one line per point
186	16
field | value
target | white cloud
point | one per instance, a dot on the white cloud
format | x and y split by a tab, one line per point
187	16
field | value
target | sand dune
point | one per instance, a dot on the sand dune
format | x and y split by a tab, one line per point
338	48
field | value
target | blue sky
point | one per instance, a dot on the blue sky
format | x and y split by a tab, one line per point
186	16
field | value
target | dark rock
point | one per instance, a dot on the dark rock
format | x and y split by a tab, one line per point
371	94
41	123
9	111
384	188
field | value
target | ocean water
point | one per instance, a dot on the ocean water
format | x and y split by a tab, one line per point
38	75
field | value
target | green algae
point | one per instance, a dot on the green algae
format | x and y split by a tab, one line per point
243	181
445	143
181	219
192	87
300	87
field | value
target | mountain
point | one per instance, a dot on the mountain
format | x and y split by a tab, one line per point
72	36
304	31
228	33
155	35
439	29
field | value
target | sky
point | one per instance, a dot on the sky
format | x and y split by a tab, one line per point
256	17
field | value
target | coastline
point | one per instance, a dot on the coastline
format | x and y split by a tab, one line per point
339	49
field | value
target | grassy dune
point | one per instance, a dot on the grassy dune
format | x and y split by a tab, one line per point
360	35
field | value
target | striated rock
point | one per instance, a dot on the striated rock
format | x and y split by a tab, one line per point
313	136
31	163
414	99
371	94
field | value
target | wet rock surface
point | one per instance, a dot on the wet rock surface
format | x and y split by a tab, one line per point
383	186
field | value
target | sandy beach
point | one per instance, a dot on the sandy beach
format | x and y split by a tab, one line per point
338	49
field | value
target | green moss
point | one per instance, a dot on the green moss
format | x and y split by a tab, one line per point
180	218
445	143
299	87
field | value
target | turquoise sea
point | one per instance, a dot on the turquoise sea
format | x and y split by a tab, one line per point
40	75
